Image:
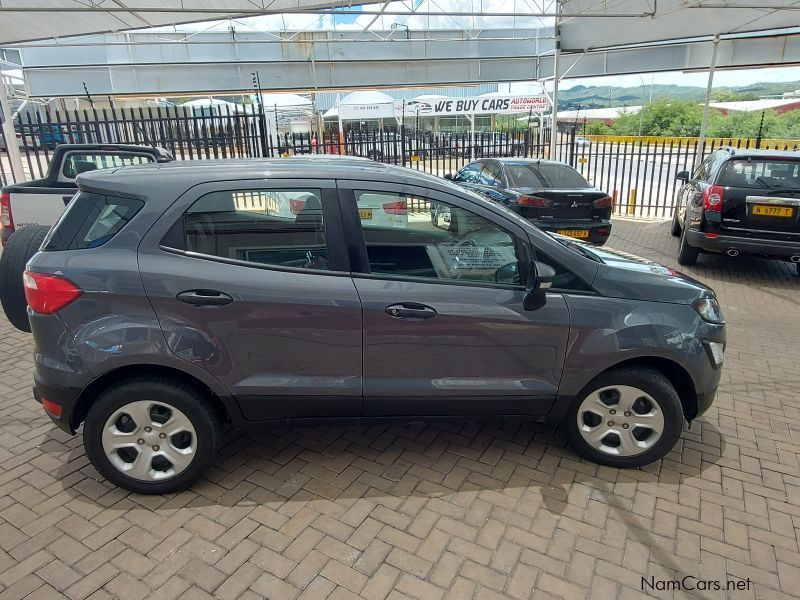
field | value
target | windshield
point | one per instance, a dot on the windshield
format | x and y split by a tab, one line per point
763	174
546	175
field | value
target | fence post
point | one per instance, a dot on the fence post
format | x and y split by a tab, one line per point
571	146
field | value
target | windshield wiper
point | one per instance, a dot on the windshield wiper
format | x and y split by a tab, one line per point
579	248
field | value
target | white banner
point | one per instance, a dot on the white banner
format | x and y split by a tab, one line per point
481	105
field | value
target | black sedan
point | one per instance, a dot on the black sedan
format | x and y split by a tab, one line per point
552	195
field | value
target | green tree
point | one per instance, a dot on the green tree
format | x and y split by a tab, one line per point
662	117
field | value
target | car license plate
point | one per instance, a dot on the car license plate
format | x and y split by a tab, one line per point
365	213
766	210
574	233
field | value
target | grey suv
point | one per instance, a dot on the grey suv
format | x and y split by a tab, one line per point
172	298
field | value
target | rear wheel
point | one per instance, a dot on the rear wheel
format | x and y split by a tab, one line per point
675	230
687	255
152	435
19	249
625	418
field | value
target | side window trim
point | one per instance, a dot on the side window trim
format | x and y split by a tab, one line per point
357	250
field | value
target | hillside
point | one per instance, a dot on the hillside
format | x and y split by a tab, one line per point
602	96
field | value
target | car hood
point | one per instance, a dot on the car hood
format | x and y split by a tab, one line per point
624	275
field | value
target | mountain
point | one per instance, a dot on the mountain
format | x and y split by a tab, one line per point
603	96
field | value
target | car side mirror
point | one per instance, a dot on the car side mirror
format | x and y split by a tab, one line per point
683	176
540	280
448	176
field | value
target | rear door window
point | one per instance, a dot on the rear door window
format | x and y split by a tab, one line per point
761	174
277	227
90	221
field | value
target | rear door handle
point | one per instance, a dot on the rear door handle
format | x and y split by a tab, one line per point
204	298
410	310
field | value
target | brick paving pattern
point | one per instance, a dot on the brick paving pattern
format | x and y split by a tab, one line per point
433	511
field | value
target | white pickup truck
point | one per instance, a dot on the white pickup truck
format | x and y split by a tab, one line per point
29	209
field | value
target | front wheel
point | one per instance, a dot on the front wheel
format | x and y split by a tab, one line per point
625	418
151	435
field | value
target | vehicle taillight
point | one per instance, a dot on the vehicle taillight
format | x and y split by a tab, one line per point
47	294
6	220
532	201
296	205
603	202
712	198
396	208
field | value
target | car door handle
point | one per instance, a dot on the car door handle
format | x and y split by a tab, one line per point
204	298
410	310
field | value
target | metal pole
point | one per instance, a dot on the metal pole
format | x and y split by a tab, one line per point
14	156
471	136
556	56
701	142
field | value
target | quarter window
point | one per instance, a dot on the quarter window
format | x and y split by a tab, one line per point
283	228
417	237
470	173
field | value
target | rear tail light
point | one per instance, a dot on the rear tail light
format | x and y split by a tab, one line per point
604	202
51	408
47	294
604	231
712	198
6	220
296	205
396	208
532	201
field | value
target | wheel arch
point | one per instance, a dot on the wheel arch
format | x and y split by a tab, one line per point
225	407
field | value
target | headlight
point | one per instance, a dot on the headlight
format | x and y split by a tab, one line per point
709	310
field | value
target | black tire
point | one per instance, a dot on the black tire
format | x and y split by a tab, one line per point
675	229
19	249
658	388
190	401
687	255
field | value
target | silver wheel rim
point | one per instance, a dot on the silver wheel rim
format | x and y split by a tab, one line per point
620	420
149	441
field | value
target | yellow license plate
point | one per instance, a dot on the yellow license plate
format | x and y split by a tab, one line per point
365	213
766	210
574	233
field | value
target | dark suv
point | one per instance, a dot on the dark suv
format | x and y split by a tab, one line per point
740	202
170	299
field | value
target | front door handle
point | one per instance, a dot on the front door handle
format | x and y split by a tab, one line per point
204	298
410	310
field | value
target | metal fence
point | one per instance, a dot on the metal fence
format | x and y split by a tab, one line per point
639	173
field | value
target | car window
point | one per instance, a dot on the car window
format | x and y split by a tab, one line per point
545	175
490	175
417	237
764	174
283	228
470	173
564	279
90	221
76	163
704	170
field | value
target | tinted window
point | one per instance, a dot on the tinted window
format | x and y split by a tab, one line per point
416	237
268	227
491	174
704	170
90	221
470	173
545	175
76	163
767	174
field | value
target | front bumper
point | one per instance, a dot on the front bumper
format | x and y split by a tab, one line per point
744	245
599	231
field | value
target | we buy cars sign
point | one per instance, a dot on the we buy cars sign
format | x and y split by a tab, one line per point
499	105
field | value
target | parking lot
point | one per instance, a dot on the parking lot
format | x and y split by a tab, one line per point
450	510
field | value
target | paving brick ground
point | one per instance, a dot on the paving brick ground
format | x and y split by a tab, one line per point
433	511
